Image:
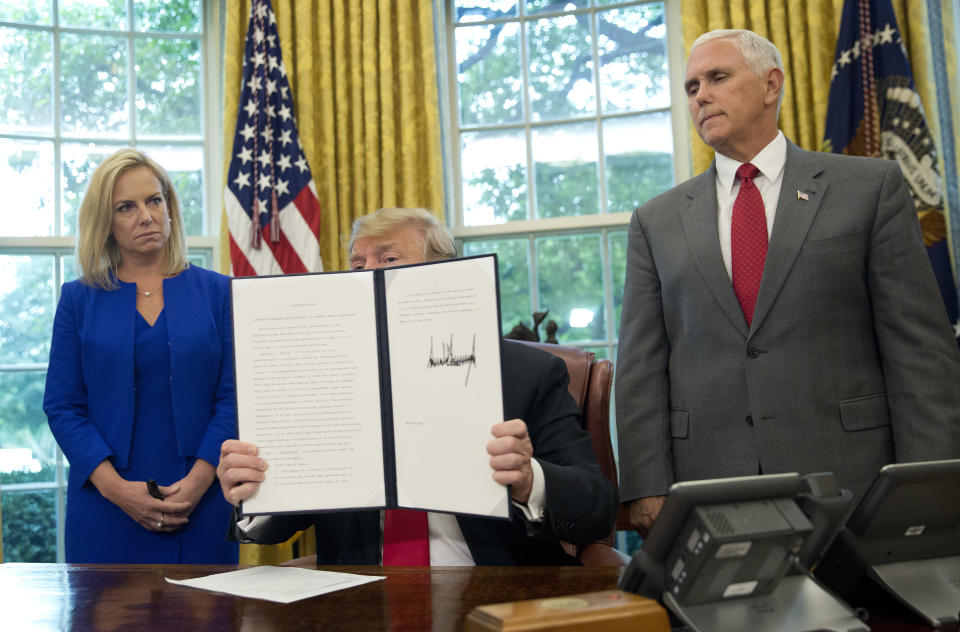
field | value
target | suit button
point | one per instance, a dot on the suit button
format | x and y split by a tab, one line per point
749	420
753	352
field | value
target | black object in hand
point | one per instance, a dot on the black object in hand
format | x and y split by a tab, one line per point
154	489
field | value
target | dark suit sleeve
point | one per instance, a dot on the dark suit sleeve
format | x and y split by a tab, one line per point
581	504
919	356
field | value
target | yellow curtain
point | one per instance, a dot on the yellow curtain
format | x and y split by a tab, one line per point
805	31
364	85
363	78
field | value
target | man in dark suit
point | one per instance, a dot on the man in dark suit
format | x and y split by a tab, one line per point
777	319
557	489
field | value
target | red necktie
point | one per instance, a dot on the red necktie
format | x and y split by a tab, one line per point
406	539
748	241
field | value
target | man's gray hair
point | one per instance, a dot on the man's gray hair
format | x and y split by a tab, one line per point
438	241
758	52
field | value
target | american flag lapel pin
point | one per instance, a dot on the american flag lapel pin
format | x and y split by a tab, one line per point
802	196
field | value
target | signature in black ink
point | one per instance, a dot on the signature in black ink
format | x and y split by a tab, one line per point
448	358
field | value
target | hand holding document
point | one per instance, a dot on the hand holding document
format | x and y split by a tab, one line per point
283	584
372	389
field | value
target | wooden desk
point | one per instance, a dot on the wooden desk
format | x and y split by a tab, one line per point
136	597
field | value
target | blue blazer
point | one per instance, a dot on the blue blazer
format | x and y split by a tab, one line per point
89	397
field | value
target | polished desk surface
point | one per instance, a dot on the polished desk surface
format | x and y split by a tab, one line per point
136	597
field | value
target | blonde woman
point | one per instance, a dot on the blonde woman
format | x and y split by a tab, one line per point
140	384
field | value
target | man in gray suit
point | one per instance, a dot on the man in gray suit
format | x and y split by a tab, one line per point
777	319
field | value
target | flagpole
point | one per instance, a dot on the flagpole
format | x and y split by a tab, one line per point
945	112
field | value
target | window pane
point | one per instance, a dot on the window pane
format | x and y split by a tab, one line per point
474	10
565	165
185	166
97	14
26	90
26	309
539	6
26	443
199	258
27	455
168	86
632	45
29	525
78	164
494	177
618	271
570	279
68	268
177	16
561	67
28	209
488	74
25	12
514	270
93	81
639	159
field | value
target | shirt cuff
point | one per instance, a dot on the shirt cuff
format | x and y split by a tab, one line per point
534	507
249	528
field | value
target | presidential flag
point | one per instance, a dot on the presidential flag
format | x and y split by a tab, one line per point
272	208
874	110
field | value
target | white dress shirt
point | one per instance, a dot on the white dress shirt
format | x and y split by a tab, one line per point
770	161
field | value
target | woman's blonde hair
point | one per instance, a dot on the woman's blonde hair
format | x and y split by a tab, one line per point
98	256
437	240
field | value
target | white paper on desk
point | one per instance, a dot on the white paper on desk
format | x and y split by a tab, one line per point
444	342
282	584
307	390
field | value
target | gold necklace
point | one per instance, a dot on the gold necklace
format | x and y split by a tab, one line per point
153	291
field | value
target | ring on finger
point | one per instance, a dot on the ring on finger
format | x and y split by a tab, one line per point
160	522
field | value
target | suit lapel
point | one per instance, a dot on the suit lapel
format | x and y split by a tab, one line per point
699	219
799	202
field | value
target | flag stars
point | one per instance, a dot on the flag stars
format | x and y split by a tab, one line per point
271	111
272	62
283	163
258	36
886	35
248	132
272	40
271	86
242	180
285	137
844	58
264	159
258	59
254	83
284	112
245	155
263	183
301	163
283	187
284	92
261	11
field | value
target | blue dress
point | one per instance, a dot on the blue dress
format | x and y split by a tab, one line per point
152	400
101	531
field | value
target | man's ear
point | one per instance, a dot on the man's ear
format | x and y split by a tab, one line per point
774	86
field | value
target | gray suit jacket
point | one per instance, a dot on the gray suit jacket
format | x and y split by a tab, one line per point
850	362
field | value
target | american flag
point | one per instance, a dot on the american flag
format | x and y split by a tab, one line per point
874	110
272	207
